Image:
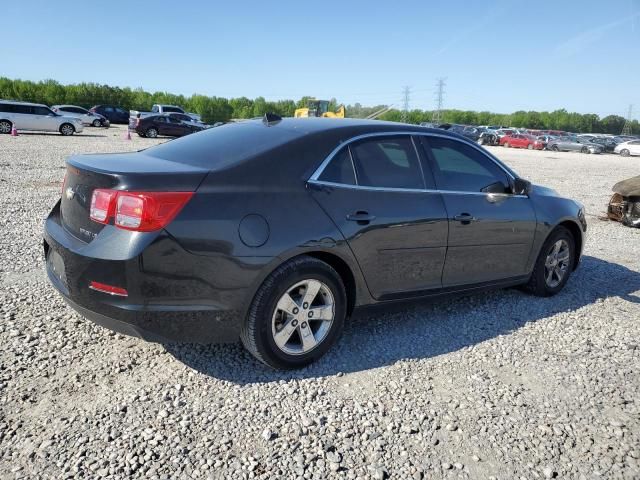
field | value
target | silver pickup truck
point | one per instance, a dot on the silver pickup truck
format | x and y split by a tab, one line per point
158	109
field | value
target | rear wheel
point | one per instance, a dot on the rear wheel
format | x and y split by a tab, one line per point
530	146
584	150
624	152
5	126
296	315
67	129
554	264
151	133
96	123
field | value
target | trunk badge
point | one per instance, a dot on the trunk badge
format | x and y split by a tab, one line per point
69	193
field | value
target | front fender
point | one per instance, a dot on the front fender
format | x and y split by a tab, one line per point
553	210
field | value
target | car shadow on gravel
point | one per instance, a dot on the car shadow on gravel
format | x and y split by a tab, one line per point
378	337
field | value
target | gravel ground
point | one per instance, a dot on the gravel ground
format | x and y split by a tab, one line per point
499	385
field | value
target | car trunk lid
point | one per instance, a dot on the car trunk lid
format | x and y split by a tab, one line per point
124	171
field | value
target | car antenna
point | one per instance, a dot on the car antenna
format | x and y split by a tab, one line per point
271	119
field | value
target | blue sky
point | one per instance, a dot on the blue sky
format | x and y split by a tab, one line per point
500	55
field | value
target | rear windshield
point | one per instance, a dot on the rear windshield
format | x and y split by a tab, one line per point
220	147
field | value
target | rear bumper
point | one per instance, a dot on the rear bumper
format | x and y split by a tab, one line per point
173	295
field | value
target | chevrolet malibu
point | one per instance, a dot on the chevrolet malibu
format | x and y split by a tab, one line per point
275	231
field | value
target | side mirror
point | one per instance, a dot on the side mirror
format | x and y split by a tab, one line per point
521	186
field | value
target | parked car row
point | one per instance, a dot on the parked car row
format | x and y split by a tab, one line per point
34	116
69	119
556	140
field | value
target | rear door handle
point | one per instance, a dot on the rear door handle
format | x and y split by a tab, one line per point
465	218
362	217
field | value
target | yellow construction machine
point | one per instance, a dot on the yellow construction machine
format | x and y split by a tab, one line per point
319	108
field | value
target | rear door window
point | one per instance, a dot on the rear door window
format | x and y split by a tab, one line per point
387	162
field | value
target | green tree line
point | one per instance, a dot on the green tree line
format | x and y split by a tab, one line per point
215	109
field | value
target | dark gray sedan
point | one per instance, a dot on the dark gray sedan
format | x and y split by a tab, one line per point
574	144
275	231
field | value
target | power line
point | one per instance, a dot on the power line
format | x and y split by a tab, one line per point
626	130
406	96
437	114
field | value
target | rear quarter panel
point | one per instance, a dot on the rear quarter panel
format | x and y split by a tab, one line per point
271	191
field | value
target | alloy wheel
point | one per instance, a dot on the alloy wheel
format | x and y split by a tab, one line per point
66	129
96	123
556	263
5	127
152	133
303	317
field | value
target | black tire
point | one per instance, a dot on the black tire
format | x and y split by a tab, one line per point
151	133
584	150
555	148
537	284
67	129
256	333
624	152
97	123
5	126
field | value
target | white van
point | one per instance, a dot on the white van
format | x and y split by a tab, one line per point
34	116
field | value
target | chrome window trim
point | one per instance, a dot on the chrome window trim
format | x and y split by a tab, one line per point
413	190
314	177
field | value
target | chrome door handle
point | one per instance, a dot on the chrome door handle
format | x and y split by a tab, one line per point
465	218
362	217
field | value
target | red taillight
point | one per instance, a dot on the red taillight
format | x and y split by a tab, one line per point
102	203
110	289
138	211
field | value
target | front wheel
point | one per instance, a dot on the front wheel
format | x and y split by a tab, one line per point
624	152
5	126
506	144
585	150
554	264
555	148
67	129
297	314
96	123
530	146
151	133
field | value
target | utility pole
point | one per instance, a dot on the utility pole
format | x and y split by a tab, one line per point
406	96
437	114
626	130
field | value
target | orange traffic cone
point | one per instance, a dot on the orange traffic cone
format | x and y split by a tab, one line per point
14	130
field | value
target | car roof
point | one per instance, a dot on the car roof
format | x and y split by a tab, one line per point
18	102
306	126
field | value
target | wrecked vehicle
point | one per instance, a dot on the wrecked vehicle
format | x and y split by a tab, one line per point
624	205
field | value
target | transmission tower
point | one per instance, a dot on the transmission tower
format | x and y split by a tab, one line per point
437	114
626	130
406	96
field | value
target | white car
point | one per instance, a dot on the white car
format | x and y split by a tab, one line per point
87	117
34	116
632	147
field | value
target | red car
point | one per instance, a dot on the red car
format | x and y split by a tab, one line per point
521	141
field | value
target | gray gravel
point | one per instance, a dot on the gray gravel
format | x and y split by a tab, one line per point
499	385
